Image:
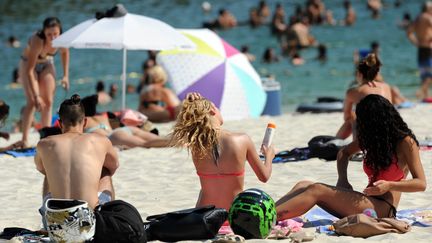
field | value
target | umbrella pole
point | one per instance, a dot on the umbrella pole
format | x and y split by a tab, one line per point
124	80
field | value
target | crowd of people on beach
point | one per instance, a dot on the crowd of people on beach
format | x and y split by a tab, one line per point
80	159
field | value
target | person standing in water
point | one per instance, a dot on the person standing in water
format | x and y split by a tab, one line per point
420	34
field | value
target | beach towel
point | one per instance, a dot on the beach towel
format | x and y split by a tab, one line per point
318	217
405	104
294	155
323	147
21	152
418	217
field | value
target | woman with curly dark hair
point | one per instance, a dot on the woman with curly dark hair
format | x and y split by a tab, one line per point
391	152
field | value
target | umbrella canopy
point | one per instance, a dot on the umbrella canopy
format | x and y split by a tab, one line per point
218	71
129	32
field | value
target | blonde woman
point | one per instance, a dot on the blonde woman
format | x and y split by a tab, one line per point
218	155
158	102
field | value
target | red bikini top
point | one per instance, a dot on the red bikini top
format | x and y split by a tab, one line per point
392	173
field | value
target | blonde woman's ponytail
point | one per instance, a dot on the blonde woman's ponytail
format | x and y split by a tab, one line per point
194	128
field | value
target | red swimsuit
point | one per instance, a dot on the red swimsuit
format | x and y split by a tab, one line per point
392	173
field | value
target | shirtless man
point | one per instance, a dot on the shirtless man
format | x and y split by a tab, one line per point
420	34
350	16
76	165
301	30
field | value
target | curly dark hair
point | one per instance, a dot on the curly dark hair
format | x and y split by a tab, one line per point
380	128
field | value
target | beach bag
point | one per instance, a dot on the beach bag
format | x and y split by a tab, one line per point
361	225
325	147
119	222
69	220
189	224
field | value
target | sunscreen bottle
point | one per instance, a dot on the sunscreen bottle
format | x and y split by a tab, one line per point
268	136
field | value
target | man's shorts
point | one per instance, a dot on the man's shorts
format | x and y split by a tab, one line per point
425	62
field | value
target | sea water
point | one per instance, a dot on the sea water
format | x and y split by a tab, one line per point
298	84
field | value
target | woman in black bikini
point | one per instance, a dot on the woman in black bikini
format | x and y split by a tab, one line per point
37	73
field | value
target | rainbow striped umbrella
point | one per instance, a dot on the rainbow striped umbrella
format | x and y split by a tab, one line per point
218	71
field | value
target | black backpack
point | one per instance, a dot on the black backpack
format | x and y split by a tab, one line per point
118	222
189	224
324	147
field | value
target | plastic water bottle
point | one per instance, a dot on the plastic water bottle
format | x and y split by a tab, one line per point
269	133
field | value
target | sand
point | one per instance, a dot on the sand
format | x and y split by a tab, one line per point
162	180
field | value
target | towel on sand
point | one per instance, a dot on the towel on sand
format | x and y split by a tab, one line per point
418	217
21	152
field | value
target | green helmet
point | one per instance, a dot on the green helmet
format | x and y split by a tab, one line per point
252	214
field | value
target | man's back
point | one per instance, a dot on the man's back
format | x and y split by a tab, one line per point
73	164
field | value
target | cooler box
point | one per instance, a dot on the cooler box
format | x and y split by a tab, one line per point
273	103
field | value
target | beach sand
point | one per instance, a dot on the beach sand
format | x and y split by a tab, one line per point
162	180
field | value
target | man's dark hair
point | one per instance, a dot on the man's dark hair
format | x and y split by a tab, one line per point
71	111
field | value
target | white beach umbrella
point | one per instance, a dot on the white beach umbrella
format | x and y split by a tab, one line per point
129	32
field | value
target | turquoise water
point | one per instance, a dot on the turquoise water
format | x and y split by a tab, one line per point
299	84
